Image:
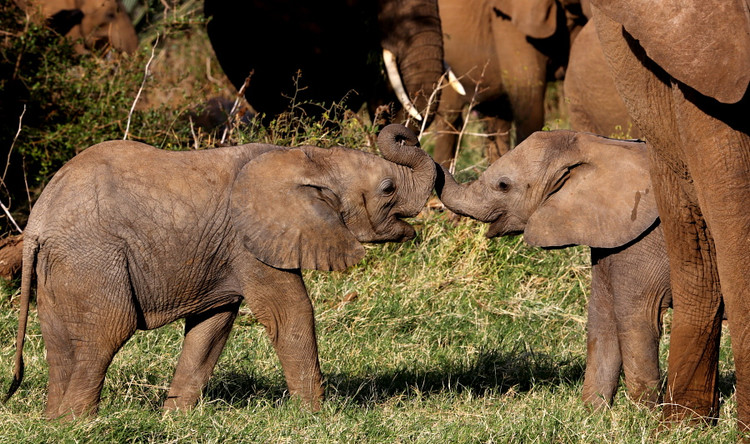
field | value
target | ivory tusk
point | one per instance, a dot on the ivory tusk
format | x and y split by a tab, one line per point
398	86
454	82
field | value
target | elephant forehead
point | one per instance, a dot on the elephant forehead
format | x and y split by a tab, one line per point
353	167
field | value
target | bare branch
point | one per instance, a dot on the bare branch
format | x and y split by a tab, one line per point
235	107
146	75
452	168
13	143
7	213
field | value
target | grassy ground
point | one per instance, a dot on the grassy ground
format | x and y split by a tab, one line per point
449	338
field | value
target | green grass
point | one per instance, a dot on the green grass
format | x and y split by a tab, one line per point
449	338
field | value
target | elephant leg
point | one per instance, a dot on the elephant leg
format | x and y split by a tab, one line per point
692	372
447	125
278	299
78	355
716	141
640	283
205	337
696	325
498	137
603	359
528	110
60	354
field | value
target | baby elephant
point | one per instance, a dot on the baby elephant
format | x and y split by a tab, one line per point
128	237
563	188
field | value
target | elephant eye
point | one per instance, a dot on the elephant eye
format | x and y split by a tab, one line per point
504	184
387	187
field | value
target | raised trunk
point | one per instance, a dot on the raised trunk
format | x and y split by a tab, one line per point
417	42
464	199
400	145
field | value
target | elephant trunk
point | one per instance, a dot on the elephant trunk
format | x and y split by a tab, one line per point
464	199
417	42
400	145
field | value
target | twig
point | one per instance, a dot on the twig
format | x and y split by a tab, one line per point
7	213
140	90
452	168
196	145
13	143
7	164
429	104
235	106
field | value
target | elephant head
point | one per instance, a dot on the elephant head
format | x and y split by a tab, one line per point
303	208
96	23
535	18
561	188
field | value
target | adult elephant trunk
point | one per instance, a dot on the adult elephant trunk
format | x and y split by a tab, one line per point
467	199
400	145
412	32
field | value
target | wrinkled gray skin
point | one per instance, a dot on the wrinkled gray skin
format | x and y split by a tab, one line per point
503	51
128	237
564	188
683	71
593	103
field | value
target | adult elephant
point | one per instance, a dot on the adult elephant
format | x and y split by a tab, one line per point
503	51
323	52
129	237
685	84
590	94
91	24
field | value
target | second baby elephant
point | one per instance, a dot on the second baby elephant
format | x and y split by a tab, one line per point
128	237
563	188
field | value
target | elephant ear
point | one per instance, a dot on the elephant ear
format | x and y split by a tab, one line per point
286	214
704	44
534	18
602	197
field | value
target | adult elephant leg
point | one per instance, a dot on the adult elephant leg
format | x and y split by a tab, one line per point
498	137
696	298
693	356
279	300
523	73
716	138
447	125
205	337
603	360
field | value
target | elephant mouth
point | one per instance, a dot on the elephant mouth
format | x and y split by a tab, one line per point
499	227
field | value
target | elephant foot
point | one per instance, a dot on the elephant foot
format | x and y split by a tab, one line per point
674	414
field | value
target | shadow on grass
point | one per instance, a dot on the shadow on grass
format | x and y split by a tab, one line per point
491	372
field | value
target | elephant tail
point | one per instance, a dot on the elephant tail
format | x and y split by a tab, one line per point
30	250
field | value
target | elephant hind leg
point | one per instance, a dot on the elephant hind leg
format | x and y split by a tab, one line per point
60	354
205	337
81	342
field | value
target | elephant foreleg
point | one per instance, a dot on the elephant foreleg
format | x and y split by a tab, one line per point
603	359
279	300
205	337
